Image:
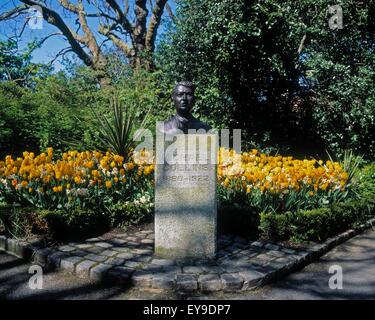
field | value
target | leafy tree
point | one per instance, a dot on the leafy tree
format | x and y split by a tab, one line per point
39	117
57	110
339	74
276	70
17	66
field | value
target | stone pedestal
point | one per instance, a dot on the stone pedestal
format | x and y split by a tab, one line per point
185	198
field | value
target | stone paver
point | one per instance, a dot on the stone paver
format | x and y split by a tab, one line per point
41	255
209	282
83	267
252	279
69	263
95	250
125	255
163	262
95	257
3	243
120	274
163	281
142	278
79	253
193	269
66	248
132	264
115	261
54	259
186	282
99	272
109	253
231	282
105	245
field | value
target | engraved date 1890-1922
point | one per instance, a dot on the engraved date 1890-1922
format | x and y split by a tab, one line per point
190	178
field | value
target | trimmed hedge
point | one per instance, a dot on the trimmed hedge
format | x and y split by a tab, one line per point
74	224
317	224
22	222
322	223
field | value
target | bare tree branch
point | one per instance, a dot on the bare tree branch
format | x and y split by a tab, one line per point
22	30
141	12
103	42
15	11
122	45
101	15
170	12
69	6
32	68
154	23
61	53
301	44
55	19
49	36
16	37
114	23
300	48
121	17
126	7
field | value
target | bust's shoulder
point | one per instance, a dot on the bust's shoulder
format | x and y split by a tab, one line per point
170	119
197	124
168	124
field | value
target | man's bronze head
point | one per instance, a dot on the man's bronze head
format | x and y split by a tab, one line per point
183	97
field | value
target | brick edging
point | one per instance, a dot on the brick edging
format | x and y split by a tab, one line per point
228	280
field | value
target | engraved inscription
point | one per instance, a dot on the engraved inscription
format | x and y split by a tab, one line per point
186	175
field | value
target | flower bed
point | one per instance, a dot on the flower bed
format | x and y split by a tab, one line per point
79	190
290	199
280	197
280	184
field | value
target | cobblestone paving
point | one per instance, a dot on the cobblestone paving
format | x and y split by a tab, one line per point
240	264
128	257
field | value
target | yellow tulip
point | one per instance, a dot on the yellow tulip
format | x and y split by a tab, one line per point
108	184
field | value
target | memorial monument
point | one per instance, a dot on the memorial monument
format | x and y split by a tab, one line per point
185	183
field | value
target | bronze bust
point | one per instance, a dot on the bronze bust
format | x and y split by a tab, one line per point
183	98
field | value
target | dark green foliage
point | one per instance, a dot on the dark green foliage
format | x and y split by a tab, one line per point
21	222
366	182
117	129
276	70
57	111
275	226
17	66
241	221
75	223
125	214
339	69
317	224
321	223
33	119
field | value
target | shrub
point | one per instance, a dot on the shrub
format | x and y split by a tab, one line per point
20	222
317	224
75	223
275	226
321	223
116	130
366	181
124	214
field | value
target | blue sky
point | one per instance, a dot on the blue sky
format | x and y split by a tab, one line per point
56	43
